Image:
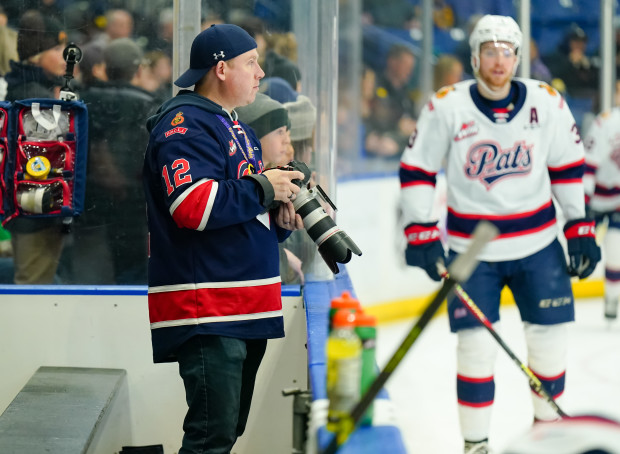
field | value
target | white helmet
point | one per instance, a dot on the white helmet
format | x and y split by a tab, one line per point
497	29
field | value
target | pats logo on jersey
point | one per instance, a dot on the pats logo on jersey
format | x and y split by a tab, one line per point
489	163
468	129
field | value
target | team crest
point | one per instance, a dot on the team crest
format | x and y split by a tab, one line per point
489	163
232	148
444	91
178	119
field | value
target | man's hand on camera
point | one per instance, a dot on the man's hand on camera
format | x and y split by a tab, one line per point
287	218
281	180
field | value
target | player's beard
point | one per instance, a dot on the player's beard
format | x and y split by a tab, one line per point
494	87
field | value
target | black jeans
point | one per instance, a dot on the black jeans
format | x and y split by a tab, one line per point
218	374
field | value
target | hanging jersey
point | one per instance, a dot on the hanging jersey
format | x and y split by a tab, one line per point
504	169
602	177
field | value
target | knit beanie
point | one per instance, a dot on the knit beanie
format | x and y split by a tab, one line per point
278	89
264	115
122	58
37	33
302	115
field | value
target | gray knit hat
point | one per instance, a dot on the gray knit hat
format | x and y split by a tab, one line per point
264	115
302	115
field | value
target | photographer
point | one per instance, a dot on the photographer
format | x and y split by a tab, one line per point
214	284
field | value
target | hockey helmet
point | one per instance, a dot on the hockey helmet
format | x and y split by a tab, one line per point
496	29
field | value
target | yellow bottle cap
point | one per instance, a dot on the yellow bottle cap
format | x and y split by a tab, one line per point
38	167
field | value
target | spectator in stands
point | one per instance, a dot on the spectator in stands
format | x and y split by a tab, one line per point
392	114
278	89
110	238
118	24
269	120
299	248
37	243
389	13
156	75
8	43
538	69
162	39
448	71
574	67
8	50
92	65
273	63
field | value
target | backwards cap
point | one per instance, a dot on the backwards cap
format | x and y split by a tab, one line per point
495	29
220	42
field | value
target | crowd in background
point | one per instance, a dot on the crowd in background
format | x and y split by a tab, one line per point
126	73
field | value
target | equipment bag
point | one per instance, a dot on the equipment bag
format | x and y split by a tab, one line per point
45	163
4	126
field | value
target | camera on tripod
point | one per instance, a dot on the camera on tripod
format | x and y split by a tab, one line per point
335	246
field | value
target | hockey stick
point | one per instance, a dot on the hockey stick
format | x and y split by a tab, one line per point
460	269
535	384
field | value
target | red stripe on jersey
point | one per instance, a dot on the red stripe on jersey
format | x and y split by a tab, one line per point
567	166
492	217
475	405
508	235
190	212
214	302
417	169
416	183
568	181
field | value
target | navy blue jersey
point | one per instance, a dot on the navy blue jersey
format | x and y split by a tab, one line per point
213	248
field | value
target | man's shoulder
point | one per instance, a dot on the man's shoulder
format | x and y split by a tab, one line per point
451	96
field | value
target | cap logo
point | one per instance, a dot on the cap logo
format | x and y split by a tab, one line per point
218	55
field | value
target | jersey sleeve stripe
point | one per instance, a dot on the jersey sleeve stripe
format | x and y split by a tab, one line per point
411	176
572	173
193	207
604	191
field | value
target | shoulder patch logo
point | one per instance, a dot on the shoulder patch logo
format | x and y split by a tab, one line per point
552	91
232	148
177	130
178	119
442	92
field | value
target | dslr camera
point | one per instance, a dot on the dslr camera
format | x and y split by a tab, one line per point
335	246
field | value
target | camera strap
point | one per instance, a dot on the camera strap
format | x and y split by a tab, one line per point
249	157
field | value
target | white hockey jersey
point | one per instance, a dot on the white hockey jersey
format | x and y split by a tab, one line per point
602	177
500	168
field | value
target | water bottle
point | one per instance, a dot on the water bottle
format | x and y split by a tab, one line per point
345	301
366	330
344	370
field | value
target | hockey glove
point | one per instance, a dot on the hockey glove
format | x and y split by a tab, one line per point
424	248
583	252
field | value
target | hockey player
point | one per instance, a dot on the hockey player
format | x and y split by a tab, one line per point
602	186
508	146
